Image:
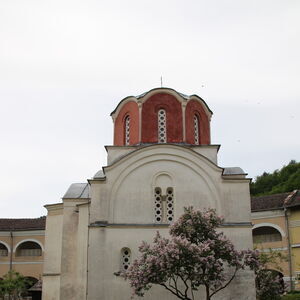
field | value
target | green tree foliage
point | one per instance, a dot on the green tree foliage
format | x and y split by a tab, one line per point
269	284
292	296
284	180
13	285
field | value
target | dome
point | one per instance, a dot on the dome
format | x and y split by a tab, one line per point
161	115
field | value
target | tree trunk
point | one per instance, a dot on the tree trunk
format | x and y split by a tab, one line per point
207	292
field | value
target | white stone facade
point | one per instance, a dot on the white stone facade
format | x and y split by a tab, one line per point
87	234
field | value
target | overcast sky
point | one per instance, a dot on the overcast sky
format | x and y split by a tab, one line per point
65	65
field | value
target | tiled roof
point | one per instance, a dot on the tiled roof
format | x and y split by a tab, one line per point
23	224
77	191
276	201
295	199
233	171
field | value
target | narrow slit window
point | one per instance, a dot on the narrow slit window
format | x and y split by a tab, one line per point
169	205
162	131
158	205
196	129
127	130
125	259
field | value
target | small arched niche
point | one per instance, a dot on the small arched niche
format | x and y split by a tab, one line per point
163	181
163	198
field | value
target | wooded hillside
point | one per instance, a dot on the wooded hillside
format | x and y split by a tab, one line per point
286	179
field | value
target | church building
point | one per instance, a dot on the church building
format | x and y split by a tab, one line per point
161	161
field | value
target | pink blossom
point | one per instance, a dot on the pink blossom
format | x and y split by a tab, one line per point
196	254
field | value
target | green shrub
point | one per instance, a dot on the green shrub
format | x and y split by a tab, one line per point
291	297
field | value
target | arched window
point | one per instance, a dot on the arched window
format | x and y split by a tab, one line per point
127	131
125	259
162	128
164	205
29	249
3	250
266	234
196	130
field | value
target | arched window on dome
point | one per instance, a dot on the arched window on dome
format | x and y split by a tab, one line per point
162	127
125	258
127	130
196	130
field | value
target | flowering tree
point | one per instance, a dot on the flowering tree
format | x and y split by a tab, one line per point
269	285
196	255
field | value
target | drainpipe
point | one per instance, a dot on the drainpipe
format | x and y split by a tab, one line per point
289	248
286	201
11	250
87	251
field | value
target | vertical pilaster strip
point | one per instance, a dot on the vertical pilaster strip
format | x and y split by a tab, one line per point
114	129
140	121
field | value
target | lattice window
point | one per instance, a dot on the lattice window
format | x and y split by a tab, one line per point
158	205
162	130
125	259
196	129
127	130
164	206
170	205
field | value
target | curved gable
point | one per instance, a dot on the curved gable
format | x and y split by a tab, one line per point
195	182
